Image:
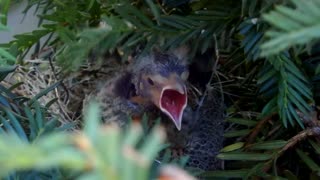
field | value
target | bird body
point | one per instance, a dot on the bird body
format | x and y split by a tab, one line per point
114	98
154	81
157	83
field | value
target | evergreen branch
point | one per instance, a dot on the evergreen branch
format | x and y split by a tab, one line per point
253	31
292	94
292	27
99	153
5	57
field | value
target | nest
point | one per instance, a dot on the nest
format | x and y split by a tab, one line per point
33	78
38	74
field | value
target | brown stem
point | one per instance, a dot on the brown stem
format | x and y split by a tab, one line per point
257	129
315	131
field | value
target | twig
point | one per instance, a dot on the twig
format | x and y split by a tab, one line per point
310	120
274	130
195	89
257	129
315	131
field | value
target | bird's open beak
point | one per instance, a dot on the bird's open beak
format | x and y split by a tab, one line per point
173	101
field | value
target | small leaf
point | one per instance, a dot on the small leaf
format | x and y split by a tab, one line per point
133	136
288	174
266	76
154	9
92	117
4	101
309	162
51	102
316	146
269	145
51	125
233	147
270	107
67	126
6	125
237	133
258	169
5	70
39	116
2	27
242	121
171	24
18	84
225	174
317	70
32	123
16	125
244	156
44	92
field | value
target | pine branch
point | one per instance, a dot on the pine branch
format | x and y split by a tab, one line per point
292	27
253	31
5	57
99	153
289	88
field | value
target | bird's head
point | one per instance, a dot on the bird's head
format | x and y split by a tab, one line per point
161	80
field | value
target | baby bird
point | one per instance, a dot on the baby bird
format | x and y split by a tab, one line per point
156	84
156	80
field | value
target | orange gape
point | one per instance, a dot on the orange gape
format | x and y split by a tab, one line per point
136	118
138	100
163	177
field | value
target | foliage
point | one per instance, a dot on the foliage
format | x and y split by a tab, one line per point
5	56
264	152
292	27
34	144
266	55
292	89
4	7
96	153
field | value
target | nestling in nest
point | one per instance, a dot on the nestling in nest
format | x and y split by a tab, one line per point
157	84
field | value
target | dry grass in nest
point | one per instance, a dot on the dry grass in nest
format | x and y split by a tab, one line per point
38	74
35	76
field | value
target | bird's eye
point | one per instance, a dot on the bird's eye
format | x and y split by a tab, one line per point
150	81
184	75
